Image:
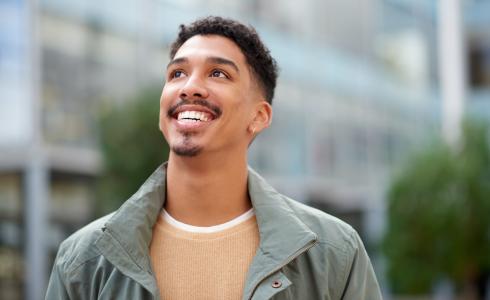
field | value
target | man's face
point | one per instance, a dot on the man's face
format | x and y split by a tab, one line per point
209	101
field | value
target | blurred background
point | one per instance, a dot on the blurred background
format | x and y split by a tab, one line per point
381	118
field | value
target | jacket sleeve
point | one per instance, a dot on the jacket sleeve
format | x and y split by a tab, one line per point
361	283
56	286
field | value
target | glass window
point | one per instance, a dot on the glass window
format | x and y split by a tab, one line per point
479	66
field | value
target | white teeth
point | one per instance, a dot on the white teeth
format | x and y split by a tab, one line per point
193	116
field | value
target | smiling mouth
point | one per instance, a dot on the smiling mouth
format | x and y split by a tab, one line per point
197	112
194	116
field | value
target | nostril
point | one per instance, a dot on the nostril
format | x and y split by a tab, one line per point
198	95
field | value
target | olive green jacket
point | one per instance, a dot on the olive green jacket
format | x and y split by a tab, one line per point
303	253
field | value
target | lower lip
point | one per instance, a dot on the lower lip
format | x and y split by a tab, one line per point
191	125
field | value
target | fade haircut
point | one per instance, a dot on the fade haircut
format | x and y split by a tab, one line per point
261	63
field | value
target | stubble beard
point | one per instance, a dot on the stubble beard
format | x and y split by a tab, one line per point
187	148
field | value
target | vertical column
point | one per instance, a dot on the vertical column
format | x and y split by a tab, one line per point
452	71
36	190
36	183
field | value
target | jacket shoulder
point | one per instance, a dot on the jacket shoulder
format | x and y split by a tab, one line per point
341	262
79	247
329	229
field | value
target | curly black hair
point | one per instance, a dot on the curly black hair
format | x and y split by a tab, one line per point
258	57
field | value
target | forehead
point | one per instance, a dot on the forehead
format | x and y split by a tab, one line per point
211	46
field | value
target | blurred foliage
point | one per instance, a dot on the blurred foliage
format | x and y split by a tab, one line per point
439	215
132	147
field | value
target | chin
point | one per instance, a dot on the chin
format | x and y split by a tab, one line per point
186	151
186	147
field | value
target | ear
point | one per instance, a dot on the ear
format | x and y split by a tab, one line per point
262	118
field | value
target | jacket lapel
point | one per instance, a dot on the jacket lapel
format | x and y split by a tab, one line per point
127	234
283	237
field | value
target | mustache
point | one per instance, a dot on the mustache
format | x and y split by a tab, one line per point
214	108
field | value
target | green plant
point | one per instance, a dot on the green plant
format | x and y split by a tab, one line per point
132	147
439	216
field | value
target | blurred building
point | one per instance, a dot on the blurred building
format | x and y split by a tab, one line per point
15	129
358	91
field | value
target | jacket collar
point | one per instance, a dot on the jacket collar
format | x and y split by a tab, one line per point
283	236
127	234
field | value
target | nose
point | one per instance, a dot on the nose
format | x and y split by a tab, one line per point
194	88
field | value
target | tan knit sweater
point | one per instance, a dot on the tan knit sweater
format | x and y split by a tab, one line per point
190	265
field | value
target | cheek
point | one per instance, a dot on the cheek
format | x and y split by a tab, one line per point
170	92
165	101
164	97
242	115
163	110
164	106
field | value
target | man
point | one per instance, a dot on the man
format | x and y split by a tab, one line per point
204	225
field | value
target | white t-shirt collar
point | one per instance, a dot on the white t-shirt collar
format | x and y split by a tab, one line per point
210	229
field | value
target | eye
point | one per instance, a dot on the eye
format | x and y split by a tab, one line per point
177	74
218	73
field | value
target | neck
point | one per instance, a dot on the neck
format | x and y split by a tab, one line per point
206	191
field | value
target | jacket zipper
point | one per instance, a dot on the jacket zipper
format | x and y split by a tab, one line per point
290	259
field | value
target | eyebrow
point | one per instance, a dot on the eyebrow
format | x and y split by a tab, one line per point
212	59
177	61
223	61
